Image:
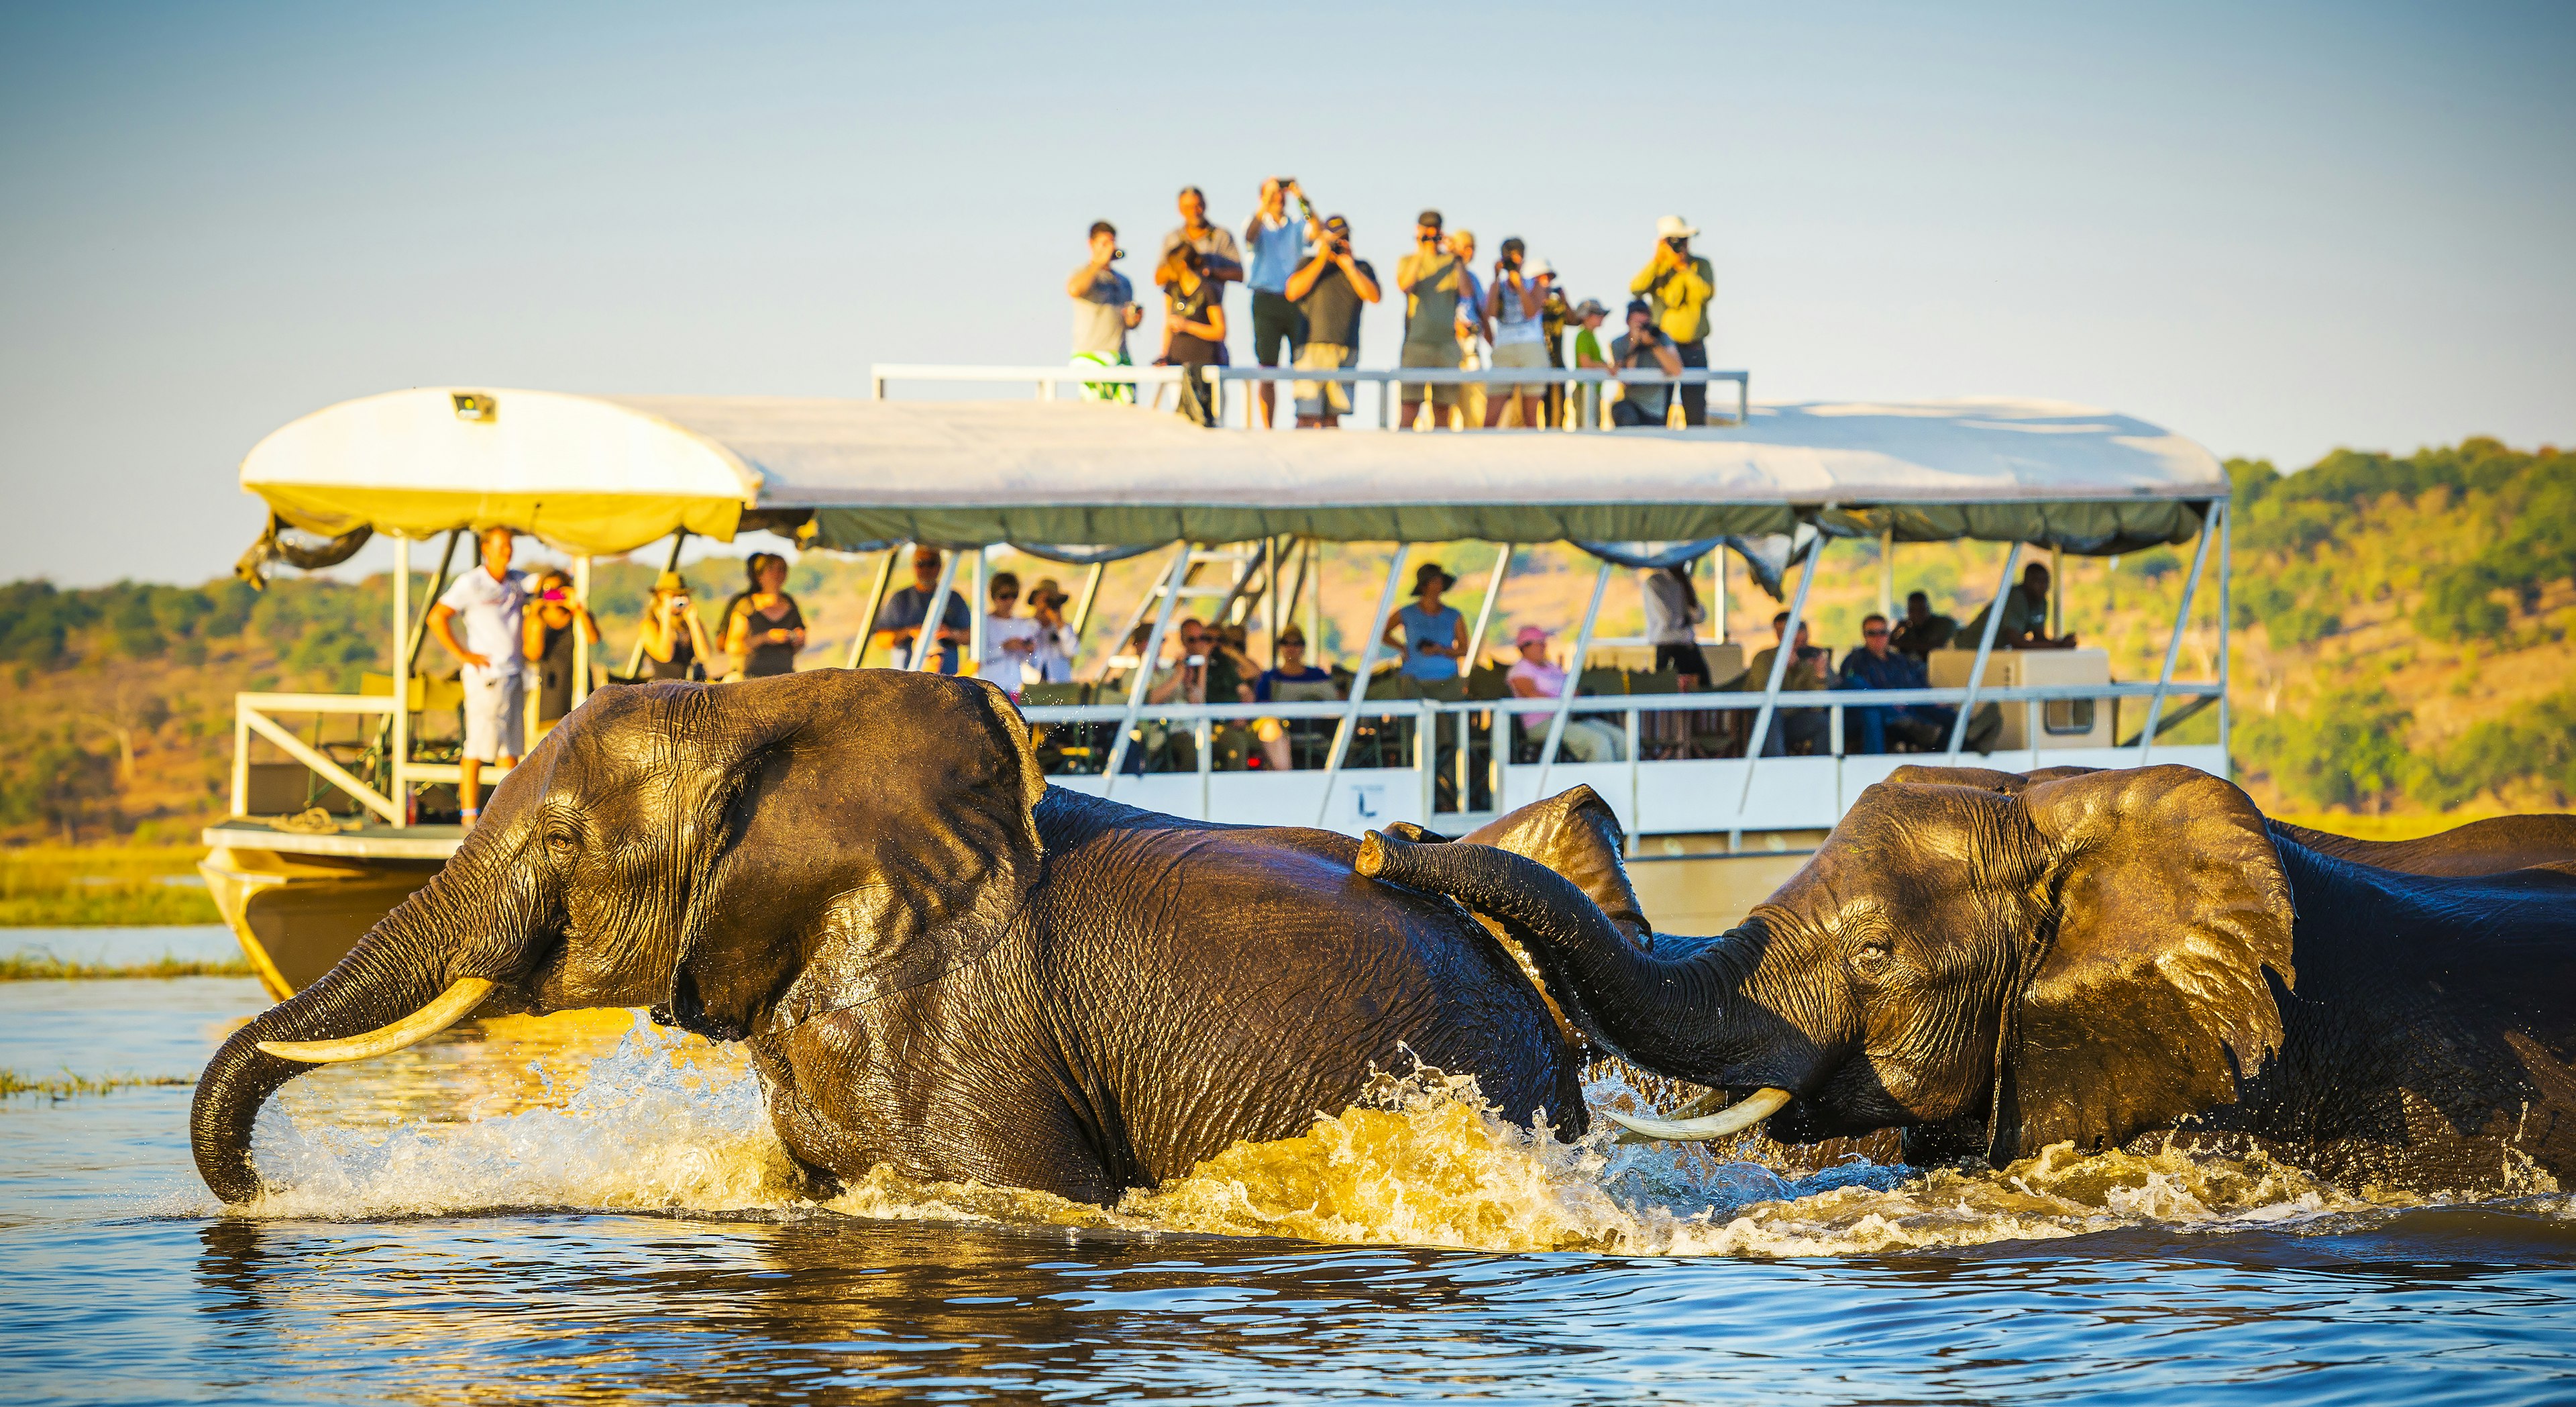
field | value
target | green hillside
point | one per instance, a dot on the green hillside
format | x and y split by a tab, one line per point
2401	642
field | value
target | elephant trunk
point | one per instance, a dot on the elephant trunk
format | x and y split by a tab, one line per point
402	968
1689	1016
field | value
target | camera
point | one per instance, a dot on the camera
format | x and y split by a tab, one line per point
1677	243
1116	254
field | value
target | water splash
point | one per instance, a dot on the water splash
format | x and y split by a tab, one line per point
666	1122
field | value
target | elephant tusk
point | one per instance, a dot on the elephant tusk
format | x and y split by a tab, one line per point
449	1008
1735	1118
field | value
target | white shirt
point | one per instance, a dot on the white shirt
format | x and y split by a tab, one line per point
491	613
999	665
1053	662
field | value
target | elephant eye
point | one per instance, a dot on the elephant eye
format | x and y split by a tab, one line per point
1874	956
561	844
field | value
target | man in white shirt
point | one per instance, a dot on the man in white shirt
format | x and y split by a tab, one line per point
491	599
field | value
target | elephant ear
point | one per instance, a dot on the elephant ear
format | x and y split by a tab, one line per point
1576	834
2145	999
883	833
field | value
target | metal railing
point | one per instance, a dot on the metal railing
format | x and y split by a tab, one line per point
250	716
1388	380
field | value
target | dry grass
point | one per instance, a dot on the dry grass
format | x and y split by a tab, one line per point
45	967
96	886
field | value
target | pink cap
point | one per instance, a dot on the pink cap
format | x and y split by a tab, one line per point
1530	635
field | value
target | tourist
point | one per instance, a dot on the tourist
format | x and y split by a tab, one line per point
1104	310
1673	615
2025	622
1430	278
1473	333
549	642
1330	289
1435	634
1215	244
765	629
1644	347
1589	355
1798	730
1052	660
1278	244
1554	314
1515	305
1010	641
493	661
1679	285
1290	679
1193	329
1922	632
1532	676
1876	665
899	622
675	641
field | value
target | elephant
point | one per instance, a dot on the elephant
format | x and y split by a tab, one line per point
2496	845
935	958
2088	959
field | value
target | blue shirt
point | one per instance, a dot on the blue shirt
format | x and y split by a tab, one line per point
1863	670
1309	675
1442	627
1276	253
905	609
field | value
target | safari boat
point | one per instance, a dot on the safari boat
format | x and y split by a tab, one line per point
1243	519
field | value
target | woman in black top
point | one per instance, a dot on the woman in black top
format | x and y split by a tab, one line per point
552	618
766	629
675	644
1193	327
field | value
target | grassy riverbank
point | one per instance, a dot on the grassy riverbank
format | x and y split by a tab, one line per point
103	886
67	1085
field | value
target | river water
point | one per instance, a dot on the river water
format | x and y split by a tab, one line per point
593	1209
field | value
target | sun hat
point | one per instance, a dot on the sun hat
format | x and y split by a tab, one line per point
670	581
1671	227
1045	592
1538	267
1589	307
1530	635
1422	578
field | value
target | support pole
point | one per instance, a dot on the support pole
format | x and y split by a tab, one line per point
2056	591
1360	679
1485	612
1151	651
1985	651
2173	647
1573	678
635	661
2226	521
1315	598
975	611
580	637
876	603
925	641
1780	658
1718	605
399	725
1082	607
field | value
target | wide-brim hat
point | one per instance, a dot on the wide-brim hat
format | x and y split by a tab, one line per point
1422	578
1671	227
1538	267
1046	592
670	581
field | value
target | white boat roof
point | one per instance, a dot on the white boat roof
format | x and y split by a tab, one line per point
608	474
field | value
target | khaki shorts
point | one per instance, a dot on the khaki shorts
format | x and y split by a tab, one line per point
1519	356
1324	356
1443	355
496	713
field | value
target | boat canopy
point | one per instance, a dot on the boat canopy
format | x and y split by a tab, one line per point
607	474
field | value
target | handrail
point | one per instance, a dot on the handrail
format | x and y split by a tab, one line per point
1047	377
1730	701
248	718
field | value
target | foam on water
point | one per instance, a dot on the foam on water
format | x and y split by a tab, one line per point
667	1123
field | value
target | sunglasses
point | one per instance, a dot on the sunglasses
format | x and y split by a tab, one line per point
1875	630
1006	595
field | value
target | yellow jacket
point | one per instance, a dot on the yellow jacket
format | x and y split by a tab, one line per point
1679	296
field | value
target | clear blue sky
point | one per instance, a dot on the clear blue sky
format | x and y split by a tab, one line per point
2274	229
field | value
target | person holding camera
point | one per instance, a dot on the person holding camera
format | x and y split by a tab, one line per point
1278	247
1678	286
1648	348
549	645
1431	278
1104	309
1330	289
1474	331
675	640
1516	305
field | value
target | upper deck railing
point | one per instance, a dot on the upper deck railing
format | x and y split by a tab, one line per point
1388	380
